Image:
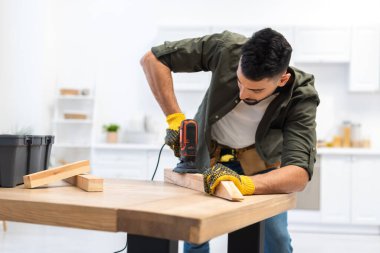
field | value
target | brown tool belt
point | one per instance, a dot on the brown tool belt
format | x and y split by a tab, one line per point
248	157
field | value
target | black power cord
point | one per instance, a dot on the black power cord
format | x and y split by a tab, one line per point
155	170
125	247
158	161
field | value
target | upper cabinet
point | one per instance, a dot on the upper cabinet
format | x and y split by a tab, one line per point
365	59
322	44
357	47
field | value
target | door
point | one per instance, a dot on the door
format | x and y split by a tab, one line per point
366	190
335	188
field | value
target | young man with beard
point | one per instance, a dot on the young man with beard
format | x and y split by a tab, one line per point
256	120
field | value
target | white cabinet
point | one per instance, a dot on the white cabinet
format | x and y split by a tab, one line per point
366	190
350	189
322	44
365	59
335	189
131	161
111	162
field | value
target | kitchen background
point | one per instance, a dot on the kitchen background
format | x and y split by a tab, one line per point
93	47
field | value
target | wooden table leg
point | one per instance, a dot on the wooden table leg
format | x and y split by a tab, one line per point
145	244
248	239
4	226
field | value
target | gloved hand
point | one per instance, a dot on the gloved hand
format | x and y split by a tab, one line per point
219	172
172	132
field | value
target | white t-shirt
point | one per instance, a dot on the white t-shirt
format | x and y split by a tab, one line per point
237	129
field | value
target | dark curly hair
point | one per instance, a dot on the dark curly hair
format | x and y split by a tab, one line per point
265	55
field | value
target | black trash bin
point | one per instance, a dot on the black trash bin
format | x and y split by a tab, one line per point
21	155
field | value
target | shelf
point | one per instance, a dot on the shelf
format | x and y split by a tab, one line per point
72	121
130	146
90	98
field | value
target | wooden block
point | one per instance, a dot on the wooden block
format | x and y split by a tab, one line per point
72	92
226	189
55	174
75	116
89	183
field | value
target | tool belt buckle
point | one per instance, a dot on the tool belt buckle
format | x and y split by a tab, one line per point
228	155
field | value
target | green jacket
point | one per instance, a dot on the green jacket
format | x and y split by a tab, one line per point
286	132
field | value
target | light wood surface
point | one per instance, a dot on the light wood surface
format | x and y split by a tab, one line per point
89	183
54	174
226	189
155	209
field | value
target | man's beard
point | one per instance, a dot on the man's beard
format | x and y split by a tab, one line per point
251	101
255	101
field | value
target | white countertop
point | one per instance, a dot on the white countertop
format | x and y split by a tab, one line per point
348	151
134	146
320	151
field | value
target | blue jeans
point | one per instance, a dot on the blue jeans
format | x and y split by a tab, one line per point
277	238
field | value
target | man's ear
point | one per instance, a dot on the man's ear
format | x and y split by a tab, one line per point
284	79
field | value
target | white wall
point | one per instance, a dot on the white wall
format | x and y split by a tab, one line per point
99	43
27	69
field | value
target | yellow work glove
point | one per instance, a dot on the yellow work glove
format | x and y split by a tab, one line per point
213	176
172	132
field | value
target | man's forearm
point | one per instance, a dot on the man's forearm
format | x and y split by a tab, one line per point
283	180
160	81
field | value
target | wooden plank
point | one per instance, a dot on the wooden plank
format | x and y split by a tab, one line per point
55	174
89	183
226	189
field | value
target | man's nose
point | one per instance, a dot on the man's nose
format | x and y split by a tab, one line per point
243	93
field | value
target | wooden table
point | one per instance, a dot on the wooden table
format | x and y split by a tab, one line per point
155	214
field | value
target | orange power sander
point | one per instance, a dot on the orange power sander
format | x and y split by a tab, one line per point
188	140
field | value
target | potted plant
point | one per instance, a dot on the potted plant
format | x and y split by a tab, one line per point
112	134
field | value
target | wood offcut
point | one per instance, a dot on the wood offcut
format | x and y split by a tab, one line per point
89	183
55	174
226	189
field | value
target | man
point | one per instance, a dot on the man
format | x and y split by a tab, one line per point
256	121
